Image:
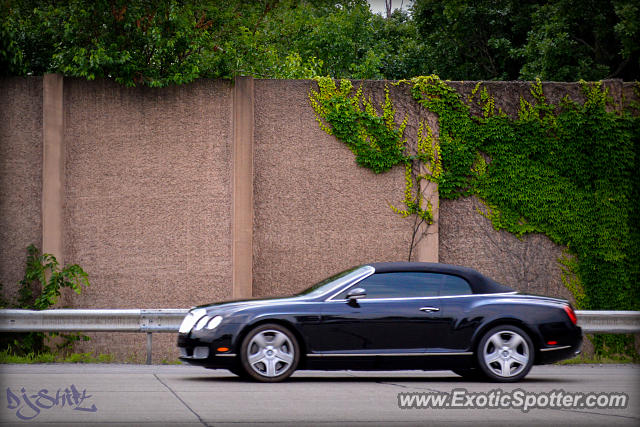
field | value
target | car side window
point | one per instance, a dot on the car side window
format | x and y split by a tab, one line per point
410	285
399	285
454	285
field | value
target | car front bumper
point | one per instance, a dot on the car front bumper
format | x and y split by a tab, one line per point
211	350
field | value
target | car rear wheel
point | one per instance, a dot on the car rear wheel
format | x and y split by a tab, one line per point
269	353
505	354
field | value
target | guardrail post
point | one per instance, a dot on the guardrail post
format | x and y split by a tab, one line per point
149	346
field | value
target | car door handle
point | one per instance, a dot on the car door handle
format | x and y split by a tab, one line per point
429	309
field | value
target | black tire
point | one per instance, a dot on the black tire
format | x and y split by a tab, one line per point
269	353
472	374
509	362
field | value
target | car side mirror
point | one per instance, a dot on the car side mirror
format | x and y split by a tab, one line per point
356	293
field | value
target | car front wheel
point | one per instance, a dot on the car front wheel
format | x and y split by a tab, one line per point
505	354
269	353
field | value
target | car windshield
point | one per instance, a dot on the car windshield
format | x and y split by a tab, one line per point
333	282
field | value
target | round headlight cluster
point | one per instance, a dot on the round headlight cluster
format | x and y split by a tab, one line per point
208	322
214	322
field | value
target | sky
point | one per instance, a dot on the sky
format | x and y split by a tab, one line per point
377	6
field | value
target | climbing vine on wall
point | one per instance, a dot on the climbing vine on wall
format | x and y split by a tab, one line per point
378	143
569	170
565	170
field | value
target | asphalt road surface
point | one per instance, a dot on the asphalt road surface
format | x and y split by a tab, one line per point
115	395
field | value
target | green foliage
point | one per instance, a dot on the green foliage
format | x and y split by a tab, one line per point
11	56
170	362
563	40
7	356
628	357
174	42
377	142
614	346
569	266
342	37
140	42
425	165
87	358
569	171
43	272
594	39
293	67
472	40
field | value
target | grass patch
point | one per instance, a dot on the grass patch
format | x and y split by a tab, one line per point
7	357
611	359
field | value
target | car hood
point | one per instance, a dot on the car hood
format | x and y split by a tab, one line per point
228	307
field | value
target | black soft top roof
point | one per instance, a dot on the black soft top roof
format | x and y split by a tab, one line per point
479	284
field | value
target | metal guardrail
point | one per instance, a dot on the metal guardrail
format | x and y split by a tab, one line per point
609	322
169	319
87	320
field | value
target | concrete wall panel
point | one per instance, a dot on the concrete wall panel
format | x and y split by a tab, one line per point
316	211
148	196
528	264
20	176
148	192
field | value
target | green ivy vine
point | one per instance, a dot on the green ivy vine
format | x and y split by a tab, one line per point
377	142
569	171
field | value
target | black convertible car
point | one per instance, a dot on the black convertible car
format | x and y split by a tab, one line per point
385	316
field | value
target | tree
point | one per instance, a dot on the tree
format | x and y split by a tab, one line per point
589	40
134	42
157	43
472	40
339	34
401	49
564	40
173	42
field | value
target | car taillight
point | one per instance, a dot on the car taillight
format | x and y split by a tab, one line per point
571	314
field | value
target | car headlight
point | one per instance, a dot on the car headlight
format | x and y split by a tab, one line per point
191	318
213	323
208	322
203	321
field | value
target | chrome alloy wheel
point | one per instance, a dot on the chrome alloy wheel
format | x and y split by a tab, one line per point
506	353
270	353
